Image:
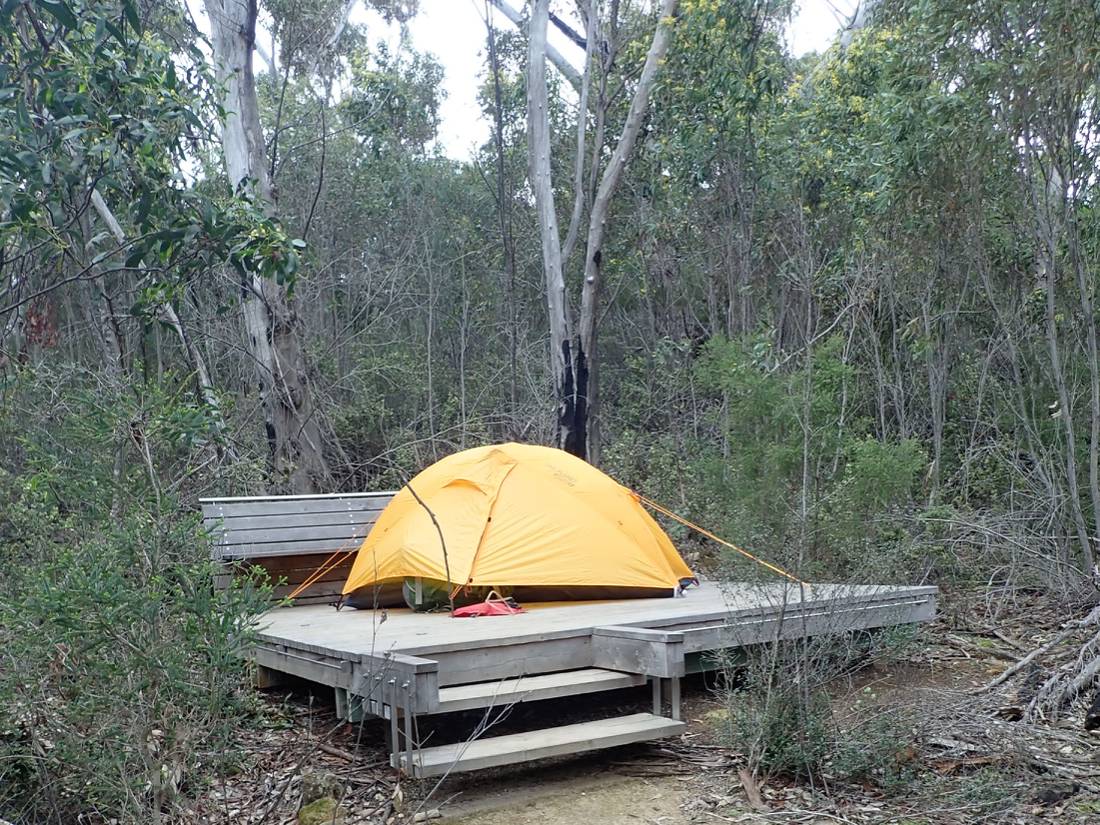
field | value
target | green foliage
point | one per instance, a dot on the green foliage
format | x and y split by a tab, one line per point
878	475
790	734
121	673
71	121
121	669
395	102
785	426
858	243
780	714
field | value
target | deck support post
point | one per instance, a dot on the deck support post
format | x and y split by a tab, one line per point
341	698
657	704
265	678
395	740
675	697
356	708
409	744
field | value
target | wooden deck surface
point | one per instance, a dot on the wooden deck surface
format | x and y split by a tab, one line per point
348	633
397	664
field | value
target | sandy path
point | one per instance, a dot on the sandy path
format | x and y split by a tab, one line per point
606	799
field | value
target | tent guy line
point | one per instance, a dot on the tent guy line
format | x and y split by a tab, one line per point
705	532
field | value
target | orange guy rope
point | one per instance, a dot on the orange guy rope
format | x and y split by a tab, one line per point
665	511
326	565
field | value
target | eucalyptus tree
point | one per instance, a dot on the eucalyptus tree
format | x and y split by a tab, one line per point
291	417
573	348
93	198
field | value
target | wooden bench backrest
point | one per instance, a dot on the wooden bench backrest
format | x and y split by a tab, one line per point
291	536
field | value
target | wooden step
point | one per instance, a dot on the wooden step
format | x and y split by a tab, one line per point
531	688
540	744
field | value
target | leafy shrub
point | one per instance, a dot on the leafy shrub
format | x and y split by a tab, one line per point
121	671
780	731
120	665
779	712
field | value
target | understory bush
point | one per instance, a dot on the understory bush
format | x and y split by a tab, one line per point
789	464
121	673
779	712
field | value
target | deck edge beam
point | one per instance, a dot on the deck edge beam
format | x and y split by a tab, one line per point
398	680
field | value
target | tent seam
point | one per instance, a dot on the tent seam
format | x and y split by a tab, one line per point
488	521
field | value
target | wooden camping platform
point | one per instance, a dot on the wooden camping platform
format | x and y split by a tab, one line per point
399	664
559	636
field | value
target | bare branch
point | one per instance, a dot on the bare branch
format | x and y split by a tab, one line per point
582	127
552	54
570	32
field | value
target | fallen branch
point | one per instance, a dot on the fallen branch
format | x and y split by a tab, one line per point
752	790
339	753
1068	630
1067	683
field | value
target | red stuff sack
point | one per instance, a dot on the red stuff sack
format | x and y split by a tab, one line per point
493	605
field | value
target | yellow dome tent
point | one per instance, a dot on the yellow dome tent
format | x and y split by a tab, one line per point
531	520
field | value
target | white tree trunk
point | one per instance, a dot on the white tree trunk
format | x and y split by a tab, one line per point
573	359
586	356
293	427
573	233
538	143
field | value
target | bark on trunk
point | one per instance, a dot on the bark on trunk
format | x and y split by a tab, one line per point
562	366
292	421
586	356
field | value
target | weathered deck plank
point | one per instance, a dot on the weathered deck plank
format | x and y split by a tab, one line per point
532	688
540	744
347	633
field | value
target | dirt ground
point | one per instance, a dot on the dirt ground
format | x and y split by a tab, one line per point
572	797
630	786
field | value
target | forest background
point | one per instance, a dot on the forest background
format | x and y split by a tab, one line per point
839	308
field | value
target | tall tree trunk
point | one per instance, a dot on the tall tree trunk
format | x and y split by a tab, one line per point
538	141
579	189
271	324
587	358
575	365
1044	190
504	197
